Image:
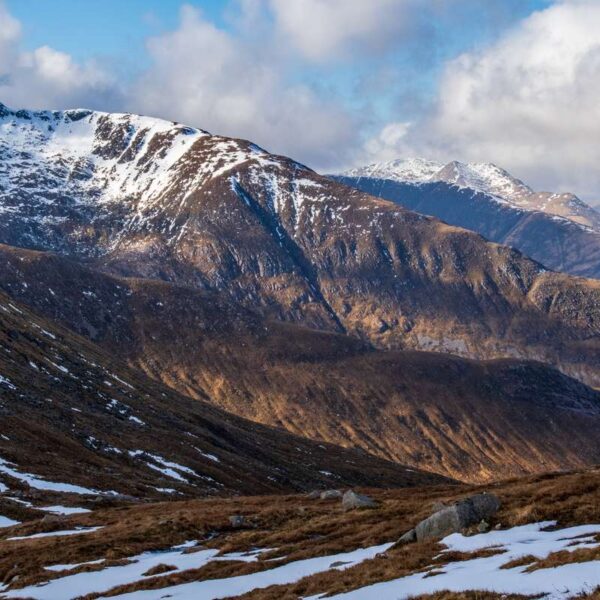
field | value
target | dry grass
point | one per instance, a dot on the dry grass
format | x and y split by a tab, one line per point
298	528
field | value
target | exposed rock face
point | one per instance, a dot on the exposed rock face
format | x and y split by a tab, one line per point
330	495
352	500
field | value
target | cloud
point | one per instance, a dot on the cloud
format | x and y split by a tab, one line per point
47	78
388	143
529	102
205	76
10	32
327	29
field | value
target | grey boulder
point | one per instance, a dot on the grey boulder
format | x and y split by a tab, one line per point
457	517
237	521
331	495
352	500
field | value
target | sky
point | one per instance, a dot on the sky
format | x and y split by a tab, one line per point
332	83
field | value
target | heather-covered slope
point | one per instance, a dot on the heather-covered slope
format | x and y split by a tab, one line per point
467	419
147	198
73	414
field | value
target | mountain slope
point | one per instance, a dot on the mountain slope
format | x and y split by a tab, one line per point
559	230
470	420
146	198
72	414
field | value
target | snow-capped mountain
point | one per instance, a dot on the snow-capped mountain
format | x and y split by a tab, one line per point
413	170
485	178
62	171
248	280
147	198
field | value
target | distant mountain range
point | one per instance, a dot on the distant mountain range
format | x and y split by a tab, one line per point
246	280
558	229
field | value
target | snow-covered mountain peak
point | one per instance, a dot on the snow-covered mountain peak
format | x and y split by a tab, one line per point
482	177
412	170
86	171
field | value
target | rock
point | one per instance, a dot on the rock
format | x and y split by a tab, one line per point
457	517
331	495
408	538
436	506
352	500
237	521
53	518
485	506
483	526
314	495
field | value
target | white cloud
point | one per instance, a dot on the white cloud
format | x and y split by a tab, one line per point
10	32
326	29
204	76
529	102
387	144
47	78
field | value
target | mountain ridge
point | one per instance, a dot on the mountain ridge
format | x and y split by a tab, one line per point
484	178
246	279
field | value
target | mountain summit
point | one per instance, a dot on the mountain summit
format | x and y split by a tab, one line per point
484	178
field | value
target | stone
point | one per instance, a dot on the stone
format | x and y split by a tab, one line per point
408	538
461	515
483	526
331	495
352	500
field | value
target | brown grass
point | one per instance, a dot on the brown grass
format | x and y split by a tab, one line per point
159	570
297	528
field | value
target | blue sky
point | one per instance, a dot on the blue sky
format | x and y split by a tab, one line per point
115	31
331	82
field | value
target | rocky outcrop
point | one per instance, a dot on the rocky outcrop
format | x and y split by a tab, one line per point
330	495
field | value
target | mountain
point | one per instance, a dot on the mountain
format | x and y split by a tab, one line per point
487	179
465	419
249	281
146	198
82	422
559	230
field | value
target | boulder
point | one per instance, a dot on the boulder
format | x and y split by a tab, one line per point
331	495
352	500
457	517
483	527
408	538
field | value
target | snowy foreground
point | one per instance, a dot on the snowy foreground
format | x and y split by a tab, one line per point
485	574
476	574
